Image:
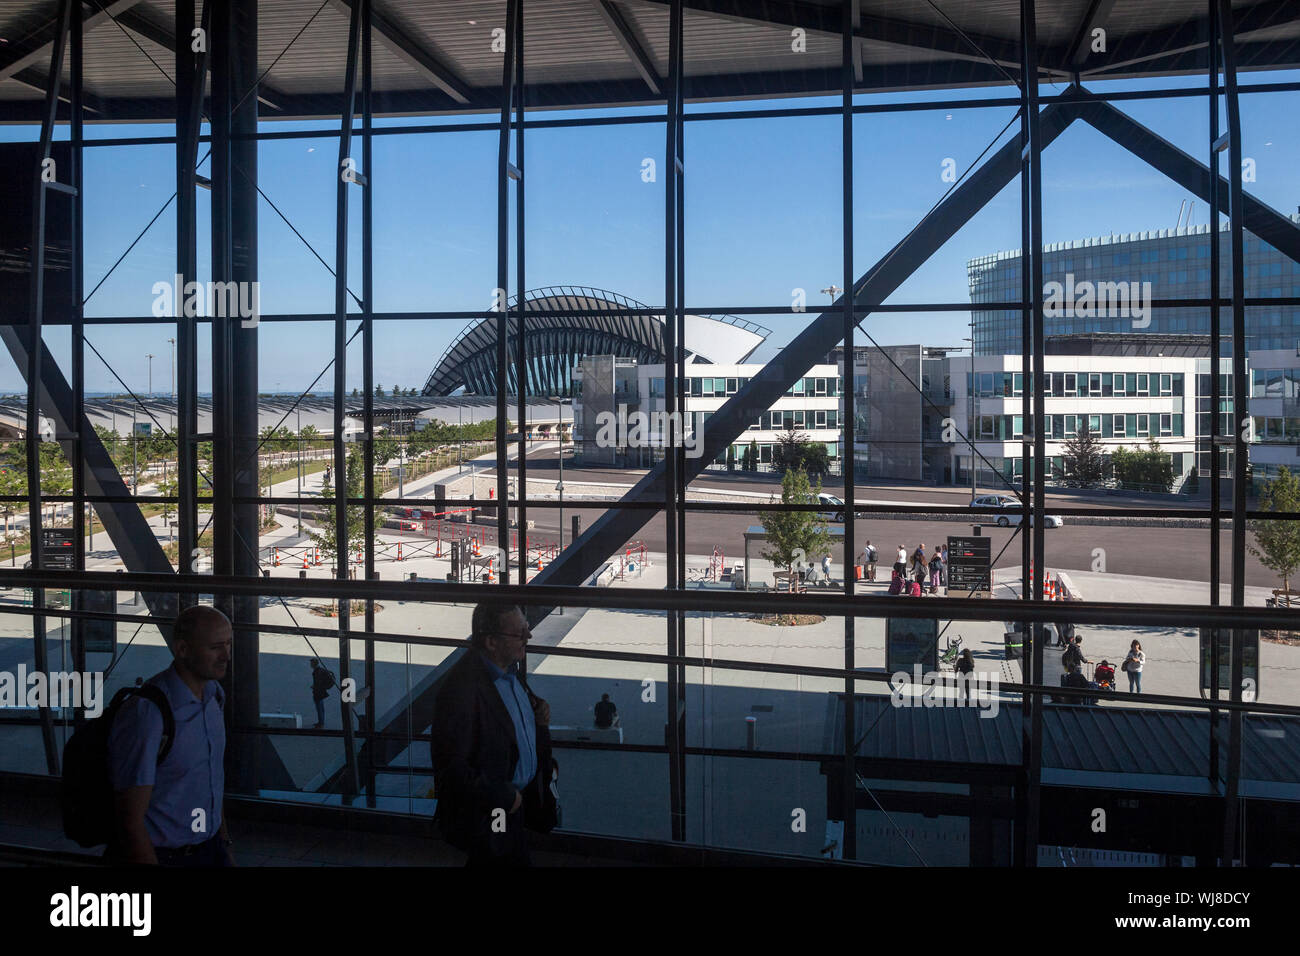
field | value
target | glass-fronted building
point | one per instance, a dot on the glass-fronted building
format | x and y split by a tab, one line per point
1169	263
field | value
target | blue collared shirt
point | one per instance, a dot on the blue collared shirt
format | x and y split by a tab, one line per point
193	775
520	709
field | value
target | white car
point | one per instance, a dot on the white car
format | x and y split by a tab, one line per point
1014	513
833	507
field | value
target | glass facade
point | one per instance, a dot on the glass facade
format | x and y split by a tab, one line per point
292	474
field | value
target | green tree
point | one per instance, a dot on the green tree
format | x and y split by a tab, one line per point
1143	469
386	449
795	538
1085	465
326	538
396	390
1279	541
794	450
749	461
355	393
379	391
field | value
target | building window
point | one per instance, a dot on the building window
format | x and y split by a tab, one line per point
774	420
1119	383
765	454
1071	380
1166	425
1142	422
732	385
1094	424
1144	383
821	418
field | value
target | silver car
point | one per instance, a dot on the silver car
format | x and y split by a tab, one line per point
1013	510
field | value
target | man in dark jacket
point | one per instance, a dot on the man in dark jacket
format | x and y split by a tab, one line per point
321	682
491	744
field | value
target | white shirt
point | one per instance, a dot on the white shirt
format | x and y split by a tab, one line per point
902	556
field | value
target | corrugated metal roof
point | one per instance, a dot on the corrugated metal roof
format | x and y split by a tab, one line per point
1107	740
574	55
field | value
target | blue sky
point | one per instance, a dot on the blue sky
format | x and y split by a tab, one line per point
762	214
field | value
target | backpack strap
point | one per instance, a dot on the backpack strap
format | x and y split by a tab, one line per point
154	694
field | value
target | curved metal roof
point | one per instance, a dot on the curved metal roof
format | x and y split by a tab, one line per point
559	330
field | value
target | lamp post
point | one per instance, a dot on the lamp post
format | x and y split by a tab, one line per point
970	404
172	341
299	410
559	420
149	356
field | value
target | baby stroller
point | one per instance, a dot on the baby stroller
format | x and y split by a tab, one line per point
1103	675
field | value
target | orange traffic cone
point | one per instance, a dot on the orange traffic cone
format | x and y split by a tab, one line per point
275	557
399	551
305	565
316	556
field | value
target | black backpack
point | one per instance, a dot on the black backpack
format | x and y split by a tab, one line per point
87	792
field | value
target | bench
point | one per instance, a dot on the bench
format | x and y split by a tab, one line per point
781	582
609	735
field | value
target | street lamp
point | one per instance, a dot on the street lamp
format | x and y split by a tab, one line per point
173	345
559	424
299	411
832	290
149	356
970	414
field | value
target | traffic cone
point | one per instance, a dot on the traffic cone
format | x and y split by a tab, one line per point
275	557
316	556
399	551
305	565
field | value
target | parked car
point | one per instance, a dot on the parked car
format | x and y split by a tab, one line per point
1014	513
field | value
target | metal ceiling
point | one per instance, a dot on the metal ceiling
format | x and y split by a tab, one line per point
438	58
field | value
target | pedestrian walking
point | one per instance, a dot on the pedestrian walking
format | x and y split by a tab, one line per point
1133	667
918	559
936	570
965	667
826	567
321	682
869	557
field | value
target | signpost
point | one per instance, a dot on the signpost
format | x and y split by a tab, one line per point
970	572
910	641
1248	641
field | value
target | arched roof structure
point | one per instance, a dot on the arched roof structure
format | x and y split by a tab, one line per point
562	324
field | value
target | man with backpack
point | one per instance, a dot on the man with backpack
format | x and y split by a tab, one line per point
1073	656
869	558
321	682
168	793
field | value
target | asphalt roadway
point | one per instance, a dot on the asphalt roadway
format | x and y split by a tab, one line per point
1161	552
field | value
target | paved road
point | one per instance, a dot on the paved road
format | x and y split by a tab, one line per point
1177	553
545	462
